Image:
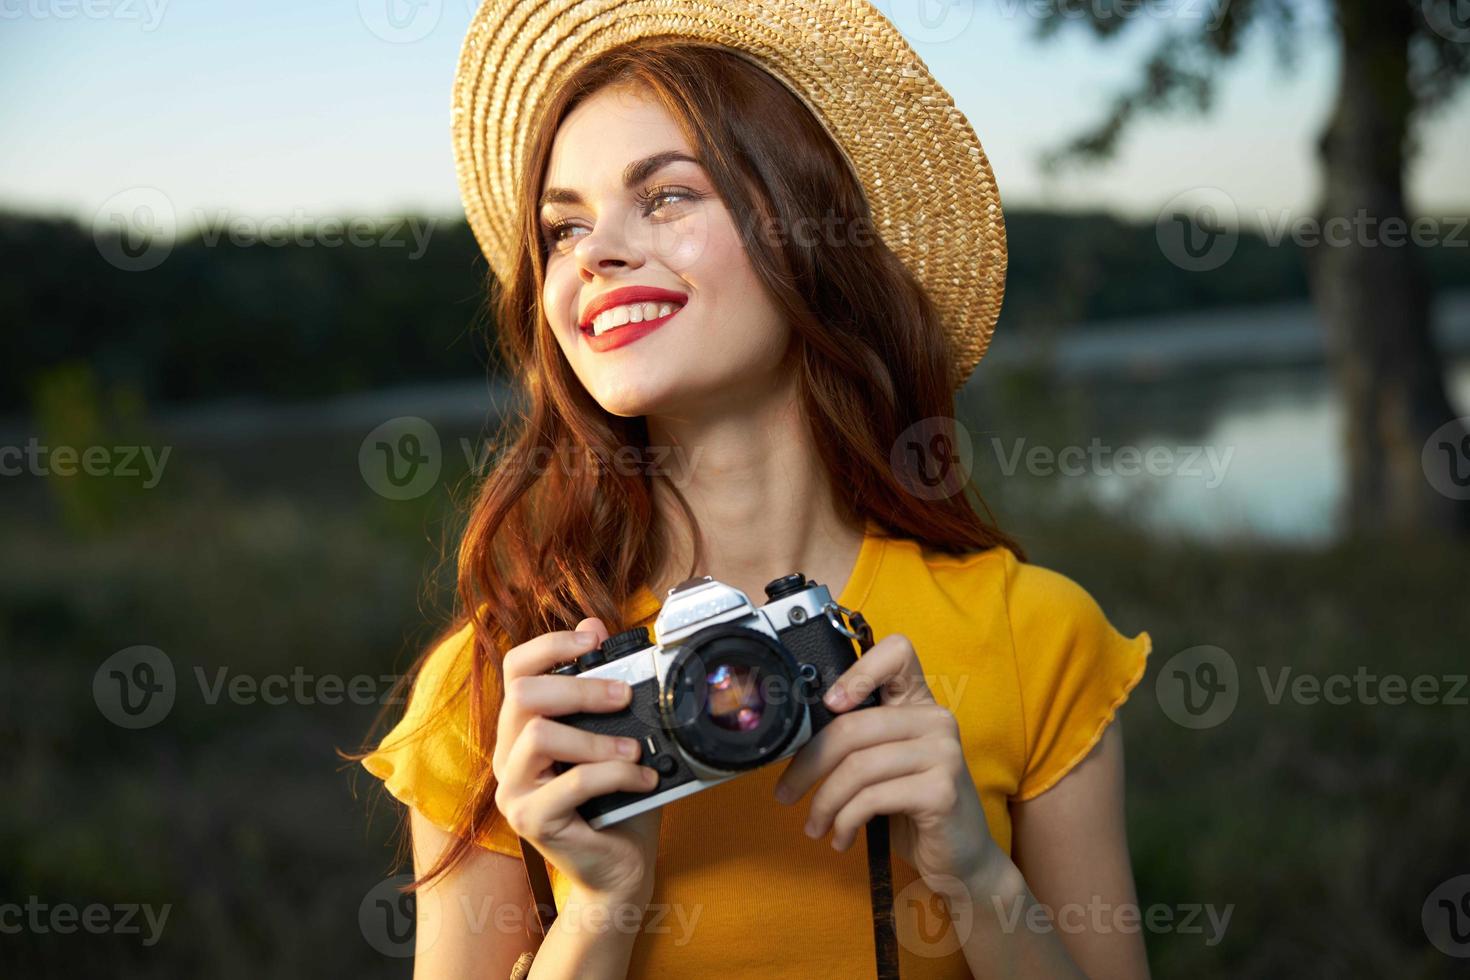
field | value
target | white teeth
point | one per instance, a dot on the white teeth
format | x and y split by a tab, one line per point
629	313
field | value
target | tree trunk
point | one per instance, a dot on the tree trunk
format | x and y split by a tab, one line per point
1373	293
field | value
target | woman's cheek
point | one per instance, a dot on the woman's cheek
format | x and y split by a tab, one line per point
685	245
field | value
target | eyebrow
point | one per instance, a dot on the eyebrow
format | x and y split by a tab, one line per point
633	174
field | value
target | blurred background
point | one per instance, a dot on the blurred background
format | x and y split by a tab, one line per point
247	375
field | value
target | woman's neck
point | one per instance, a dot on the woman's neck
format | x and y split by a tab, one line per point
760	495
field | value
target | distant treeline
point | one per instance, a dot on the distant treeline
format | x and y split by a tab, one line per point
218	317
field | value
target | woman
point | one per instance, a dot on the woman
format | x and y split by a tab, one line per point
738	363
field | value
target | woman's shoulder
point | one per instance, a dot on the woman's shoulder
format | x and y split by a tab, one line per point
1033	597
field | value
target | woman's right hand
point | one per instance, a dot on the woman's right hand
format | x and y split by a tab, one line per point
615	864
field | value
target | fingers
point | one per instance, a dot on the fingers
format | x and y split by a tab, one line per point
552	809
847	734
891	665
541	653
862	769
543	741
554	695
890	797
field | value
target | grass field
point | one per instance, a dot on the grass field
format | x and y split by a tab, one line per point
1322	827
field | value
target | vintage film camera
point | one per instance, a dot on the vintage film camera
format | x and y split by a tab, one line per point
725	687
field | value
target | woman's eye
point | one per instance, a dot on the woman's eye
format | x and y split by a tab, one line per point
559	233
656	201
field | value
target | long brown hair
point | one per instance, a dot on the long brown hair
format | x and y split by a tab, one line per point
546	546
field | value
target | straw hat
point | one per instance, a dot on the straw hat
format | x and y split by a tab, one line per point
932	194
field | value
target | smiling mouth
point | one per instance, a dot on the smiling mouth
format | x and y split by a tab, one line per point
630	315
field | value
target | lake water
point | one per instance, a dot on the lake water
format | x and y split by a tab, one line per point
1235	406
1246	389
1275	436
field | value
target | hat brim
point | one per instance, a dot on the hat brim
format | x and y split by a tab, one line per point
927	179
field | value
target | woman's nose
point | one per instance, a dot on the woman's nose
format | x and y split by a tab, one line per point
607	246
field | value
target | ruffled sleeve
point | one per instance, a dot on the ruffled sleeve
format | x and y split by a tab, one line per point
427	761
1073	667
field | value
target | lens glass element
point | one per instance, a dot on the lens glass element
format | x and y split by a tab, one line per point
735	701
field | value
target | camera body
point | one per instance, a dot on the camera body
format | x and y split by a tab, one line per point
724	688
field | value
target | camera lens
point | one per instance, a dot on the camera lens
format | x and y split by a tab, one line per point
728	698
735	700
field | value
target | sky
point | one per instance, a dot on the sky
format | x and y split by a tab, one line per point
341	107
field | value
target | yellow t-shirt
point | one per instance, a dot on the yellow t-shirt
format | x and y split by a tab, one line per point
1024	658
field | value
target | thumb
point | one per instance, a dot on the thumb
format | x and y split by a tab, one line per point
594	625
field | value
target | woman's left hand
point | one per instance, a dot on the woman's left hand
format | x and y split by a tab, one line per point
901	757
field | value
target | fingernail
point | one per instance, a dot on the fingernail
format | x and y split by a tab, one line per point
627	747
649	776
835	698
783	794
618	690
810	831
585	639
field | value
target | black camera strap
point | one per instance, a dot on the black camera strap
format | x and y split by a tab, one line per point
880	867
